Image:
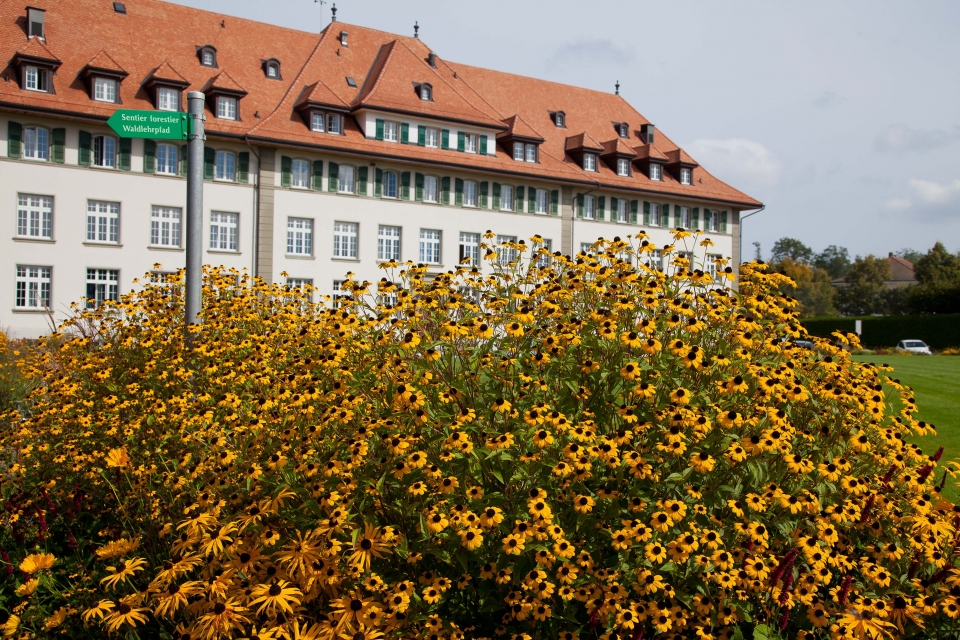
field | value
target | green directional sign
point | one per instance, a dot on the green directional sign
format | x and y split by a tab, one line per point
159	125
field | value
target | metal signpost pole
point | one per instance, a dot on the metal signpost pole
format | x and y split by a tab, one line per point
194	274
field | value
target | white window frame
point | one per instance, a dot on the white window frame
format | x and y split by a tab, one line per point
104	89
168	99
345	240
337	296
624	130
469	193
343	184
299	236
470	247
227	107
224	229
103	222
106	284
544	261
225	166
655	259
168	159
104	152
586	247
32	288
685	217
391	131
208	58
532	153
686	176
623	167
318	121
561	119
430	245
334	123
470	142
589	208
273	70
506	203
431	189
431	138
655	220
518	152
589	162
36	144
300	173
622	213
542	205
388	242
711	220
709	266
656	171
34	216
426	92
165	225
36	79
390	186
506	255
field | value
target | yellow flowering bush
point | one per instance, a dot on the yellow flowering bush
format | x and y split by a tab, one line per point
569	448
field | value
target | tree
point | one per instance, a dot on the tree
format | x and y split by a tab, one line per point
863	293
790	248
813	289
910	255
938	267
834	260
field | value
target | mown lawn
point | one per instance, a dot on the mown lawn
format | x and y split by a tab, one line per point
936	382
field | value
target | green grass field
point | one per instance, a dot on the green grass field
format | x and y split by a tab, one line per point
936	382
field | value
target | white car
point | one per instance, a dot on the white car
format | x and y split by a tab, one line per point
918	347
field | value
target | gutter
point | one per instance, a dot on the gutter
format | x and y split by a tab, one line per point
740	229
255	266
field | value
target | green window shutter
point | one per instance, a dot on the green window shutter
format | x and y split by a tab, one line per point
458	187
665	214
149	156
85	149
580	206
123	157
723	222
695	220
378	183
496	196
404	132
243	167
601	205
58	145
379	129
183	160
421	135
405	185
15	140
418	191
445	191
555	202
646	213
445	138
531	199
634	207
484	186
461	141
614	202
318	175
518	199
333	177
483	145
286	171
362	174
209	162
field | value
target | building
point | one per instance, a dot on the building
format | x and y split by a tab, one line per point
901	274
325	153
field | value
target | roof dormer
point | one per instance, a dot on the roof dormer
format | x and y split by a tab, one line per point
224	96
36	23
166	87
424	91
647	133
618	156
207	55
559	119
36	66
651	161
271	69
681	166
103	76
622	129
584	149
520	140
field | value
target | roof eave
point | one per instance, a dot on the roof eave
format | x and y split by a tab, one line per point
374	107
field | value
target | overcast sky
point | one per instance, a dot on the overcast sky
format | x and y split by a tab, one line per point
841	116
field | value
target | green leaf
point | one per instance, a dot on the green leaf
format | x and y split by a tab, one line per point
737	634
761	632
497	475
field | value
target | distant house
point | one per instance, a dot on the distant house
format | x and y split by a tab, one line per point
901	274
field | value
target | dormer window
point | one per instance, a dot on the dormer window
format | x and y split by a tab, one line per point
531	150
343	39
36	78
168	99
624	130
317	121
686	176
271	69
560	119
647	132
35	23
524	152
656	171
426	92
208	56
589	162
104	90
226	108
623	167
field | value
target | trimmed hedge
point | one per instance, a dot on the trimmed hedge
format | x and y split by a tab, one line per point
938	331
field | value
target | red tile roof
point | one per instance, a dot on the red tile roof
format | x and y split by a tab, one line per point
161	38
35	48
166	72
679	156
617	146
518	127
103	61
649	152
225	82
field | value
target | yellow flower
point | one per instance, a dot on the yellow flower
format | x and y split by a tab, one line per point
118	458
37	562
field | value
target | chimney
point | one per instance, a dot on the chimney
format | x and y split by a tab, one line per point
35	22
333	13
647	133
432	59
343	39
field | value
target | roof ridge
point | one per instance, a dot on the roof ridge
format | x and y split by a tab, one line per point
34	42
103	52
474	91
364	92
166	61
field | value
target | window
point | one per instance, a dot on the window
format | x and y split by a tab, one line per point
299	283
426	92
272	69
621	210
339	296
655	259
208	57
301	174
225	166
388	243
167	157
469	248
346	181
36	143
345	239
686	176
430	190
104	90
506	197
560	119
316	121
710	265
165	227
685	217
656	171
518	151
531	153
333	123
104	152
469	193
623	167
223	231
430	246
390	131
299	236
103	221
589	162
390	185
505	254
35	79
655	214
624	130
432	138
544	261
226	108
589	207
102	285
470	143
541	201
35	216
586	247
711	220
33	287
168	99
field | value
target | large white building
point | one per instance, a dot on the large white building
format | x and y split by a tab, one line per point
326	153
